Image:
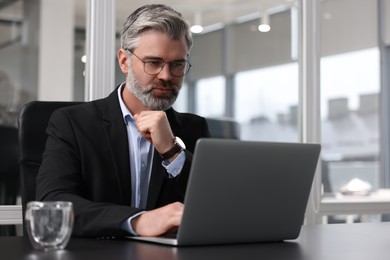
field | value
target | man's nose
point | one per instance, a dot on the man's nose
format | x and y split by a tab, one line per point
165	73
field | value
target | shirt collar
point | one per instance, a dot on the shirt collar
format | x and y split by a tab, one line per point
127	116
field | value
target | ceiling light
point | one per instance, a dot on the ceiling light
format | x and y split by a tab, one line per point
264	22
84	58
197	27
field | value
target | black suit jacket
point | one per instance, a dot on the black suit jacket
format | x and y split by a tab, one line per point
86	161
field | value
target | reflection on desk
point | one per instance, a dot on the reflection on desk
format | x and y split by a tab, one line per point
126	249
322	242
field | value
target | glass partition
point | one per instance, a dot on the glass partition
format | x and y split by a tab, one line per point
41	46
351	96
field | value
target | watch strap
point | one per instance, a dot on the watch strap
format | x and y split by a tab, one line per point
171	152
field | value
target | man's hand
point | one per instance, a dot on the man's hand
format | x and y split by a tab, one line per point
154	127
159	221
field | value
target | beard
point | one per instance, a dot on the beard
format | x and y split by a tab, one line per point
145	94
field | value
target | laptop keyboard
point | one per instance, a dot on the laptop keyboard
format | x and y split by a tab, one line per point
169	235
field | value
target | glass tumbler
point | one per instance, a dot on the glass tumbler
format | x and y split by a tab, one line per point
49	224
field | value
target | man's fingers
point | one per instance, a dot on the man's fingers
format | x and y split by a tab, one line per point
159	221
154	127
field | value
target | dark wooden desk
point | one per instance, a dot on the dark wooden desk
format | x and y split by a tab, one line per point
324	242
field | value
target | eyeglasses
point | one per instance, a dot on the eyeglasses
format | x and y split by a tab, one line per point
155	66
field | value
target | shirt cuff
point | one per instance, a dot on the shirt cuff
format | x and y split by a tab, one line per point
174	168
126	224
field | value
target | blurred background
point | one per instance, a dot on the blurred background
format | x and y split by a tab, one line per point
241	72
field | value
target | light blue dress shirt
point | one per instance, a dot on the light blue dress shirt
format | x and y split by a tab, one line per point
141	158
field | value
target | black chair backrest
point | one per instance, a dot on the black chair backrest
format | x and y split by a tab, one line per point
223	128
9	171
33	121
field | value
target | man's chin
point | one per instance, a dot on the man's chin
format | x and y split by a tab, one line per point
159	103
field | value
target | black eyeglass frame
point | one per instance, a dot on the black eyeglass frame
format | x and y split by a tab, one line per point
162	67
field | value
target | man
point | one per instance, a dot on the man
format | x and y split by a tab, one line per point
121	160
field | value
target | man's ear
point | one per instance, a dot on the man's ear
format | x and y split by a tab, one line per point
123	61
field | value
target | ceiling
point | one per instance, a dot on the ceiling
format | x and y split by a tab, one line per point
211	11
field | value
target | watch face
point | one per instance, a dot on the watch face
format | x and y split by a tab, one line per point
180	142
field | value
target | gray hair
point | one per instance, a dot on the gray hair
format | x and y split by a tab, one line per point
156	17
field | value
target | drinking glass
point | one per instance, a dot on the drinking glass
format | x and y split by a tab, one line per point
49	224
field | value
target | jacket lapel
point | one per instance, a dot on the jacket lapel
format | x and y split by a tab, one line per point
117	140
156	181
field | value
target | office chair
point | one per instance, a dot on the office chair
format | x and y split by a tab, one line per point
33	120
223	128
9	172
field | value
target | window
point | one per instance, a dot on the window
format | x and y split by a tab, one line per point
266	103
210	97
350	87
181	103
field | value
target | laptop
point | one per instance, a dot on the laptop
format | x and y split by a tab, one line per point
245	191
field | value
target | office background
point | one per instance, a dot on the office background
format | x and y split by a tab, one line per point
238	73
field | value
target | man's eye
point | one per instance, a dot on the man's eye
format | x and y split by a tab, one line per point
155	63
177	65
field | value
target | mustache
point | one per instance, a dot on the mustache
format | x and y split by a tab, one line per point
163	84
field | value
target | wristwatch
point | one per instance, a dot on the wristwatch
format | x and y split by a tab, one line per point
177	147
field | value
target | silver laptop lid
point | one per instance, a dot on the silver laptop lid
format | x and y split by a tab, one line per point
246	191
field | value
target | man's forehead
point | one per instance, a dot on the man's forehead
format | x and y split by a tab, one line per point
157	44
